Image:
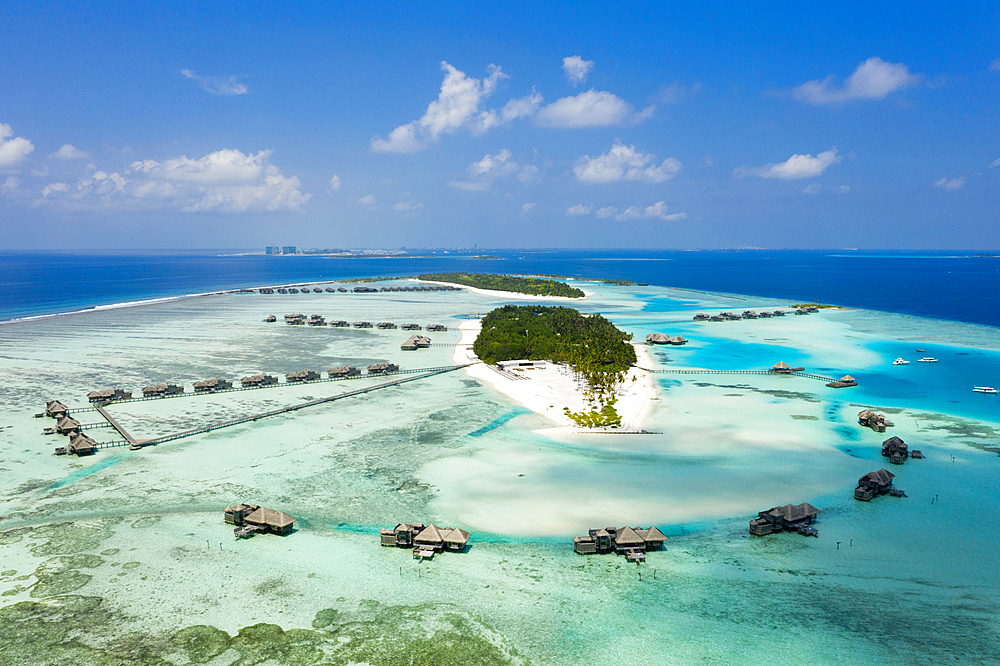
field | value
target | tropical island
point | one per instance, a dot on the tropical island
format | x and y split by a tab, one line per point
519	285
590	344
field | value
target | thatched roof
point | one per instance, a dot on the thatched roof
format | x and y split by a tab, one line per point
455	535
430	534
651	534
848	378
882	477
269	517
894	442
781	365
626	536
793	513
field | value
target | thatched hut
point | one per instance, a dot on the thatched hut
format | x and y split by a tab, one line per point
346	371
895	450
55	408
781	367
430	537
67	425
81	445
876	422
874	483
302	376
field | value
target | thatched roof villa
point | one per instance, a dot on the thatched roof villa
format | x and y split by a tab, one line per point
797	517
253	518
874	483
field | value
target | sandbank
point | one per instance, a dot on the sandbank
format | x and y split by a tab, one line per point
549	390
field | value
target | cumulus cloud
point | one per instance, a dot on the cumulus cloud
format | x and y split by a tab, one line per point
950	184
12	183
69	152
526	207
796	166
873	79
486	170
593	108
656	211
407	205
457	105
226	181
607	211
576	69
515	109
216	85
625	163
529	175
367	200
843	189
579	209
13	150
335	183
995	163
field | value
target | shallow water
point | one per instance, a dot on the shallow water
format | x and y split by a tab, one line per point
127	551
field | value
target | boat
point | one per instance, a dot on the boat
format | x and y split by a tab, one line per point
984	389
900	361
920	350
927	359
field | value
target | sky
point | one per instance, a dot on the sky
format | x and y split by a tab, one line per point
130	125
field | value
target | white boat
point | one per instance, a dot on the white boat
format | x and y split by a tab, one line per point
984	389
900	361
927	359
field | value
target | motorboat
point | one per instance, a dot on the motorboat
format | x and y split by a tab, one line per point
927	359
984	389
900	361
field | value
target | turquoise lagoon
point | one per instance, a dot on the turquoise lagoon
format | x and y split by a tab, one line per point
124	556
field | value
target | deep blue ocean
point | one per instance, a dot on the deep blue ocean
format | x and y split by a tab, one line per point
944	285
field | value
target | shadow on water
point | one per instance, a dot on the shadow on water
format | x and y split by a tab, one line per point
85	472
496	423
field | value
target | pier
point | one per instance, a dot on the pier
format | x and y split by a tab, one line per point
736	372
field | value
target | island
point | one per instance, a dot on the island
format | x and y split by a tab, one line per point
519	285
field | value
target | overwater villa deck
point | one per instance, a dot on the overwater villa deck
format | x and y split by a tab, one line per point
425	540
251	519
791	517
633	542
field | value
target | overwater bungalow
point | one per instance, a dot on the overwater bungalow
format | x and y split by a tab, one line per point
55	408
874	483
109	395
365	290
161	390
251	519
80	445
781	367
437	327
342	289
270	319
620	540
293	290
331	290
701	316
209	385
346	371
340	323
792	517
362	324
779	313
282	290
266	290
67	425
411	327
316	320
749	314
431	538
385	325
382	368
317	290
664	339
895	450
876	422
258	380
415	342
844	382
766	315
302	376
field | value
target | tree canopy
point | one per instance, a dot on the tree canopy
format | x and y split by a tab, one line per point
519	285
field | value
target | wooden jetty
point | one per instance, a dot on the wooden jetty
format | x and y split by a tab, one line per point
791	517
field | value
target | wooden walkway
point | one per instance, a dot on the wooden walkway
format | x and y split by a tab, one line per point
117	426
737	372
94	408
277	412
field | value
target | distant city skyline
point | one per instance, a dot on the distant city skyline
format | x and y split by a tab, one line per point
584	125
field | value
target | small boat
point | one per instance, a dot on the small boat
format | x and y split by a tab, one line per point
900	361
984	389
927	359
920	350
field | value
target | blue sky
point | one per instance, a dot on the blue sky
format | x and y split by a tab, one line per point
662	125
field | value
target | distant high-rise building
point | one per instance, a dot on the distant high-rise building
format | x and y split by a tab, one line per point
288	249
272	249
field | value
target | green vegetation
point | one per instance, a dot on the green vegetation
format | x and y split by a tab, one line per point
520	285
591	345
817	305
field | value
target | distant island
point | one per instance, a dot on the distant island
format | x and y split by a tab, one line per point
591	345
520	285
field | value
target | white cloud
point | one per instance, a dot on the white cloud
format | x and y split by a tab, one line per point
950	184
470	186
843	189
11	183
579	209
995	163
456	106
591	109
873	79
335	183
796	166
216	85
493	164
625	163
529	175
526	207
367	200
676	93
656	211
13	150
812	189
515	109
407	205
226	181
607	211
69	152
576	69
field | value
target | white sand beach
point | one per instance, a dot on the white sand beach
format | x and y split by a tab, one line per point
547	391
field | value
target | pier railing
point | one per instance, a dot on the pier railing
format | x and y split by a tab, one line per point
735	372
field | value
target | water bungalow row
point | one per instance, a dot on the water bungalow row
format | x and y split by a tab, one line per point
416	342
876	422
250	519
633	542
876	483
319	320
664	339
791	518
425	541
79	445
344	290
731	316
